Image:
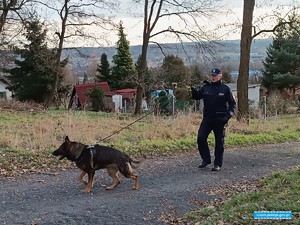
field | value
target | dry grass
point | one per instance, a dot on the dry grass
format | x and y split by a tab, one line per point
31	134
47	130
27	139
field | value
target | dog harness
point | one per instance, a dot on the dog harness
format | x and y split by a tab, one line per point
92	152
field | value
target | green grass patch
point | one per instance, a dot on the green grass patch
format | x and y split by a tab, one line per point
279	192
270	137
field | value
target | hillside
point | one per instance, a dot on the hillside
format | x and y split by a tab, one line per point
225	52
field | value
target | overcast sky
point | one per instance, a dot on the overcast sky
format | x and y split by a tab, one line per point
134	26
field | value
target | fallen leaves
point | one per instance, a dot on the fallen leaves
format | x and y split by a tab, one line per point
13	106
235	188
30	163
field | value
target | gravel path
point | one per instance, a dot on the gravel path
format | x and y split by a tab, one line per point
168	186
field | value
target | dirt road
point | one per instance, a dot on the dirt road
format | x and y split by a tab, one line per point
168	185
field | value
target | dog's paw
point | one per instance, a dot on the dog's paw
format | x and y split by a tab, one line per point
86	191
84	181
109	188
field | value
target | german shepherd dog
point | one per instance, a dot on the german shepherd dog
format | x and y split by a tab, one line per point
90	158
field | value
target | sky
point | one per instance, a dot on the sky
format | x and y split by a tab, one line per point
134	26
224	25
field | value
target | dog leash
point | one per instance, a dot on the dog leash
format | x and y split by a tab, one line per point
116	132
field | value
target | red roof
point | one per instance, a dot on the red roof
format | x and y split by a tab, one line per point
127	90
126	93
82	89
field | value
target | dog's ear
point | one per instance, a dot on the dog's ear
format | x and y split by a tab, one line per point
67	139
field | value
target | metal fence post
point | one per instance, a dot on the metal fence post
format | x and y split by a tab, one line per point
173	105
264	107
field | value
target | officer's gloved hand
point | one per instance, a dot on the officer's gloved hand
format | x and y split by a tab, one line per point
227	117
192	88
223	119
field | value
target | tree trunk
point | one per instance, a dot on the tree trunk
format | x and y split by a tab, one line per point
5	9
57	72
57	65
141	72
242	82
3	19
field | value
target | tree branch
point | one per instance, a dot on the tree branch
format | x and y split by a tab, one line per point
272	30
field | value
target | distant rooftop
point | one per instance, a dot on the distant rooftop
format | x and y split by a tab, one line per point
252	73
233	86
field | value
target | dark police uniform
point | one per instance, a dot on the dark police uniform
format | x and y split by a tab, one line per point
219	105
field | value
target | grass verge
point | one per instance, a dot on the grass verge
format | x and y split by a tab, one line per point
279	192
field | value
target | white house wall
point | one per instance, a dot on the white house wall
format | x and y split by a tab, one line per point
117	99
253	94
2	89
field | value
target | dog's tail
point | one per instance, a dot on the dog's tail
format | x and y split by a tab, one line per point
137	163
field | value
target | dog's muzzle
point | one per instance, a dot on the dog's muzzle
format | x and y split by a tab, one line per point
55	153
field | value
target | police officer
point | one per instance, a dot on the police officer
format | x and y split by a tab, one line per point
219	105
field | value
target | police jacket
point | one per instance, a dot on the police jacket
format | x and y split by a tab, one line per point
218	100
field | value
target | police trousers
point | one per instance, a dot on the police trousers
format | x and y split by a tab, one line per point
218	128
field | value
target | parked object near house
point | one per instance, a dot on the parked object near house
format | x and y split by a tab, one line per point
4	93
155	93
117	100
163	101
144	105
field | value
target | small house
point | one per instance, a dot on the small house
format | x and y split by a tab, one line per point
121	99
79	99
4	93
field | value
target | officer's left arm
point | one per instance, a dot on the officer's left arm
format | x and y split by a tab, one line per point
231	102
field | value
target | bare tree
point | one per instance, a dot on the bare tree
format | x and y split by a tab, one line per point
248	34
75	19
12	15
7	7
11	11
189	13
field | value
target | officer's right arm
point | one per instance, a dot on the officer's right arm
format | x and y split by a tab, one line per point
196	94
